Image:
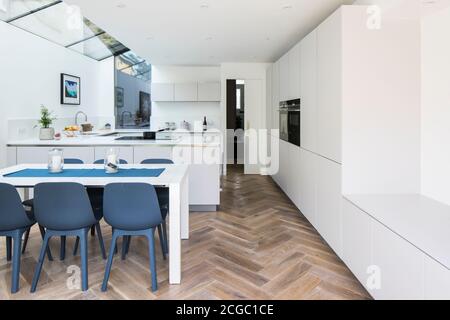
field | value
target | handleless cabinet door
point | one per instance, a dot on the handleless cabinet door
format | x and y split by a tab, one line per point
284	78
40	154
186	92
162	92
329	85
209	91
308	84
308	185
125	153
275	95
294	72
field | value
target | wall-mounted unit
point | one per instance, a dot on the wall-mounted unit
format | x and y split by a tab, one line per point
186	92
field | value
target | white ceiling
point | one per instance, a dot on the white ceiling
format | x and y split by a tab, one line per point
407	9
208	32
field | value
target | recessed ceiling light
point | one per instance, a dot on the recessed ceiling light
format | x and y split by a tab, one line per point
268	38
208	38
150	38
121	5
211	57
287	6
204	6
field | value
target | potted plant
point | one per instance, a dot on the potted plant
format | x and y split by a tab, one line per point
46	132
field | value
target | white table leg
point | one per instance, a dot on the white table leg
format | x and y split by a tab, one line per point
175	233
184	202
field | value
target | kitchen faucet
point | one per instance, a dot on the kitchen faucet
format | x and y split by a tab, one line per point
76	117
122	116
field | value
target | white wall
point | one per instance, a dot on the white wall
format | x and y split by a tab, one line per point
436	106
30	69
381	112
185	111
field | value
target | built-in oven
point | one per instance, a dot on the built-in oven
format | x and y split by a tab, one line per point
290	121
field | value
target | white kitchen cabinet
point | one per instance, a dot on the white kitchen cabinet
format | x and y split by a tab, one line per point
284	77
284	166
328	203
275	96
329	84
185	92
308	85
209	91
294	175
308	185
125	153
401	266
148	152
356	240
437	280
40	154
294	72
163	92
268	111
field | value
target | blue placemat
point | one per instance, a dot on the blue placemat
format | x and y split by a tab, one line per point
85	173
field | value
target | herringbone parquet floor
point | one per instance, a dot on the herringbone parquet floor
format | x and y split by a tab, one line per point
258	246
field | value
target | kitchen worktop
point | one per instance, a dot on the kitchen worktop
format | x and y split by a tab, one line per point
110	140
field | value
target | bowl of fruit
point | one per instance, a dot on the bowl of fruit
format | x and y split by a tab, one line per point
71	131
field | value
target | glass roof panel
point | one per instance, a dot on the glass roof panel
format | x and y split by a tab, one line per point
61	23
100	47
127	60
11	9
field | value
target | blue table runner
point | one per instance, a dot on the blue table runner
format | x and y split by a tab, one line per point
86	173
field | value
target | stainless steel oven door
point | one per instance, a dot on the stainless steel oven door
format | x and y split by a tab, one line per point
284	125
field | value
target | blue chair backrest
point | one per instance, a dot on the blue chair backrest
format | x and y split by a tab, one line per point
102	161
62	206
12	212
73	161
157	161
131	206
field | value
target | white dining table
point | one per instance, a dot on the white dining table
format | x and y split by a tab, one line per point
175	177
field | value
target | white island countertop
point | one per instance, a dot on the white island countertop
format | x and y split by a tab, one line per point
99	140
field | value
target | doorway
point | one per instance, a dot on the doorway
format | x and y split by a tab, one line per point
236	122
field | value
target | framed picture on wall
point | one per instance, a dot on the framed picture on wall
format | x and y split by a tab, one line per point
120	97
70	89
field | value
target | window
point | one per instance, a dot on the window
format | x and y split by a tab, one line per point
133	104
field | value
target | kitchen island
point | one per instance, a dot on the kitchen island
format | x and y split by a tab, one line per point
202	152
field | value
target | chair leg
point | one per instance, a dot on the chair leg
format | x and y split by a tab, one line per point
16	261
100	239
37	272
8	248
25	240
151	244
75	248
62	250
125	246
93	230
112	251
115	247
84	259
161	241
49	253
166	242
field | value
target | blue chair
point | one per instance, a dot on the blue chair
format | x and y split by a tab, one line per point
63	209
29	204
131	209
163	199
14	221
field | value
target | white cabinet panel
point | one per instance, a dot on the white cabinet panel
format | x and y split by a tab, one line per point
209	91
40	154
284	78
142	153
125	153
329	84
186	92
308	185
329	202
437	280
293	188
284	165
275	95
204	184
268	111
400	263
356	240
308	85
11	156
294	72
163	92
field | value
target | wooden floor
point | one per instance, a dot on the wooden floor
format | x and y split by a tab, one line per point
258	246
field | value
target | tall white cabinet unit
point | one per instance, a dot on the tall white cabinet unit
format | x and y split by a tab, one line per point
353	85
